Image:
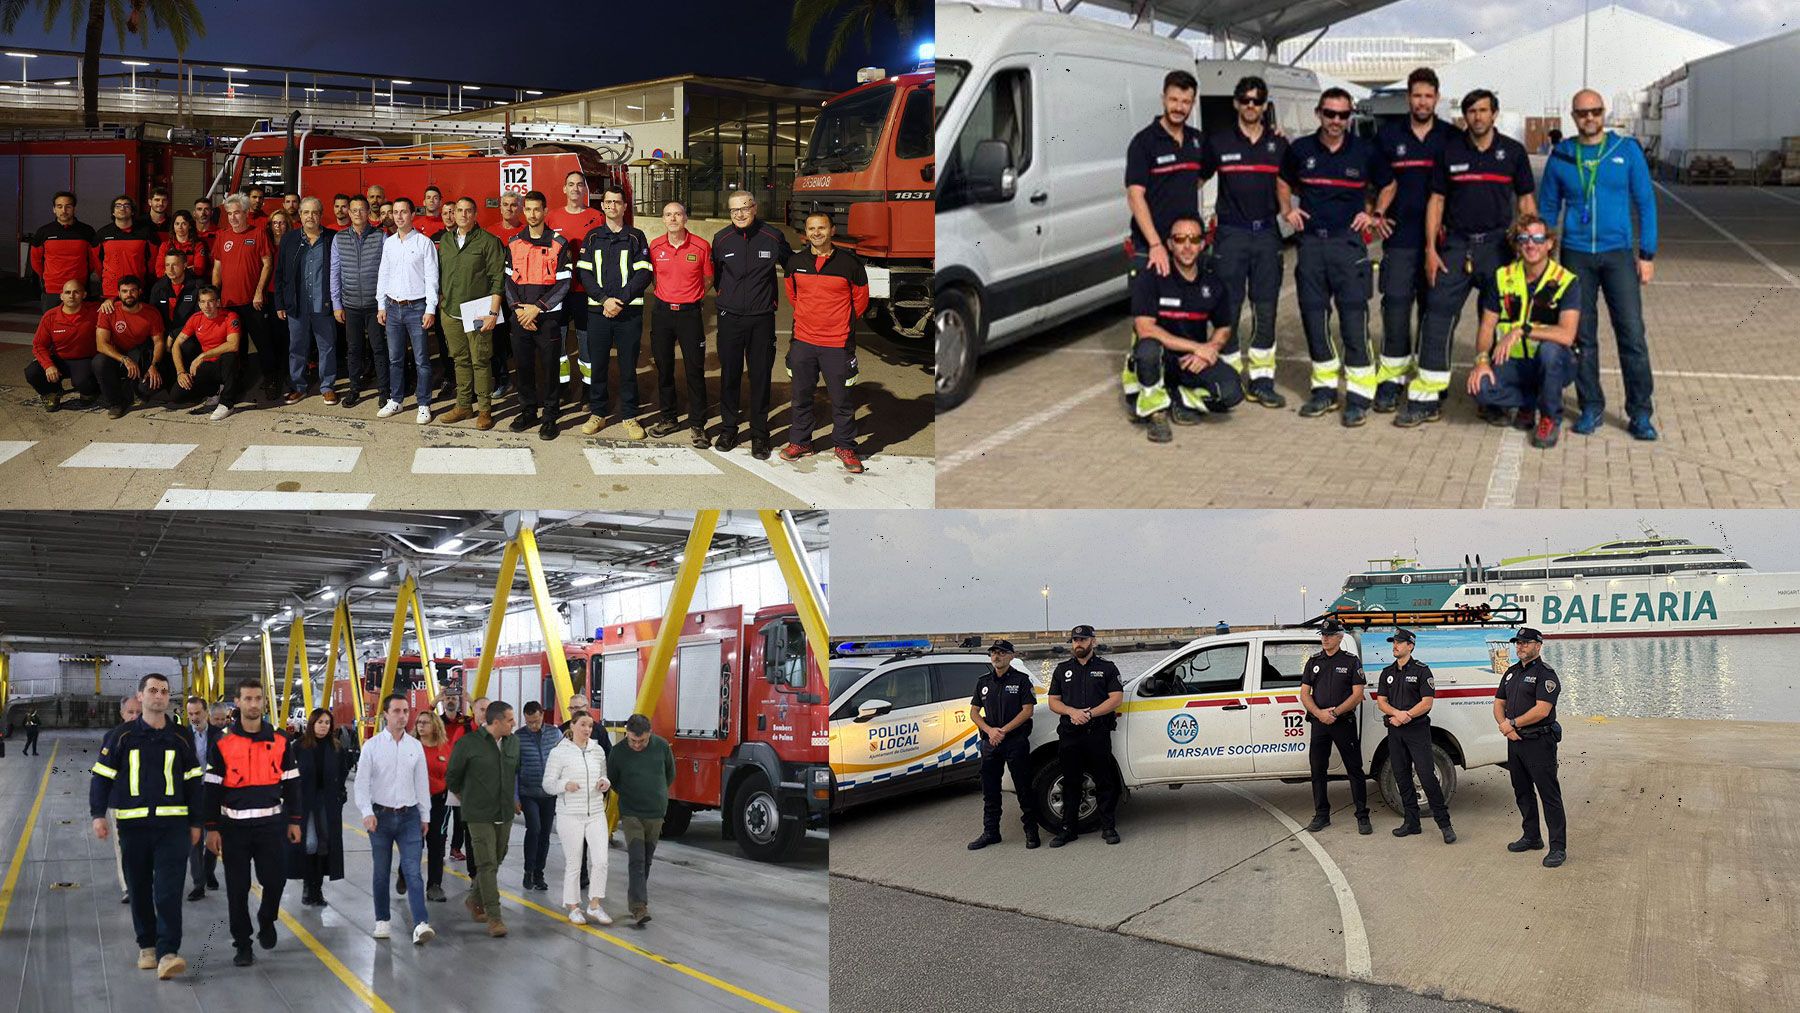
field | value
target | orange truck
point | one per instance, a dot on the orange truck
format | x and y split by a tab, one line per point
871	165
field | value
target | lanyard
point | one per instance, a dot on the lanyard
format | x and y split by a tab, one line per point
1588	173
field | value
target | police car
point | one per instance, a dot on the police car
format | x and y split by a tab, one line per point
900	719
1227	708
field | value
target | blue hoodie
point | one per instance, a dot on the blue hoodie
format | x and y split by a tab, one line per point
1623	183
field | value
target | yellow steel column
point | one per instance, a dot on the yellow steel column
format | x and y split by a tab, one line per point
268	667
207	678
394	637
5	683
806	596
427	664
490	642
219	671
547	619
96	675
693	559
296	655
340	633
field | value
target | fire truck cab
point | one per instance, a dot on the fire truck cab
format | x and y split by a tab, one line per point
408	679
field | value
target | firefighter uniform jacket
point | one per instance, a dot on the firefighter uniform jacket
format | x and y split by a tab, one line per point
118	253
252	779
61	252
615	265
537	270
150	776
828	294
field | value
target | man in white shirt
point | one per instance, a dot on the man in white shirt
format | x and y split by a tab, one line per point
393	792
406	297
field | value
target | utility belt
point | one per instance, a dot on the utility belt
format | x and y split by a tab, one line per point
1259	225
1480	238
1553	729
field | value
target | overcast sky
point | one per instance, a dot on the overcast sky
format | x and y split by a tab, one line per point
945	571
1488	23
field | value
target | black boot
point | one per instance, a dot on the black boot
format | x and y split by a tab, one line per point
1407	829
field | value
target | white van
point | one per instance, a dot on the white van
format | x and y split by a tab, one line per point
1035	112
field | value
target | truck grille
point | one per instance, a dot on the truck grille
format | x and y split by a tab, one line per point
837	205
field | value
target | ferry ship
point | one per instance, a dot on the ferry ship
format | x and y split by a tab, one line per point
1642	587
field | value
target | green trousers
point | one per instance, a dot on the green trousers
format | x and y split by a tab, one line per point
472	353
489	841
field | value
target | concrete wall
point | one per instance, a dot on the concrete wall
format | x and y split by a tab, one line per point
36	674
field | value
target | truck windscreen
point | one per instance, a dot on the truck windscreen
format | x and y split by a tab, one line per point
950	76
848	132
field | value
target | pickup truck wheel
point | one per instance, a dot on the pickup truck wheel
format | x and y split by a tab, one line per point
1047	786
1390	790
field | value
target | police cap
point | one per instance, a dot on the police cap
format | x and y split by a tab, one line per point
1330	627
1405	635
1084	630
1527	635
1001	645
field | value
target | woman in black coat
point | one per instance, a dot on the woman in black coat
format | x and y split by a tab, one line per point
324	765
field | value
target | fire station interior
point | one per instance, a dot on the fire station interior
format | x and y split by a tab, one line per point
314	606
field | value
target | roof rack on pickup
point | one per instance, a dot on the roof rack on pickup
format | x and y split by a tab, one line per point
1474	615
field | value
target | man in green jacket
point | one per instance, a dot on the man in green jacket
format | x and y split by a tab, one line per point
641	771
484	773
471	266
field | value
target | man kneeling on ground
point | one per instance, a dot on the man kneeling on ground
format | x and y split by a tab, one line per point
1523	350
1171	317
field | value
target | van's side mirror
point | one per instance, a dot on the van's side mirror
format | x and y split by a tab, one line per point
992	179
872	709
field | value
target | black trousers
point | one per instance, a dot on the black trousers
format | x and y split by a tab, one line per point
1532	764
434	840
539	355
202	864
1012	755
1409	749
1087	752
684	327
1343	735
810	362
31	735
118	389
746	341
264	847
218	374
502	348
270	344
153	852
80	374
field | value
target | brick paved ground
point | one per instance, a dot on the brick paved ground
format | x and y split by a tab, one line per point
1721	332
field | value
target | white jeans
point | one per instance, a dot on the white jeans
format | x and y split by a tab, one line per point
572	830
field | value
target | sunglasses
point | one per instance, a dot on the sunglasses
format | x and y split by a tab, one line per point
1184	240
1589	112
1250	100
1335	114
1533	240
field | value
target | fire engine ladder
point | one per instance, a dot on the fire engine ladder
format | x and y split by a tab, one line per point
612	143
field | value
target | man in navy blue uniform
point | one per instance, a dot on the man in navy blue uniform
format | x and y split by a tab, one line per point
1478	179
1336	175
1246	157
1001	710
1411	147
1170	345
1525	710
1162	174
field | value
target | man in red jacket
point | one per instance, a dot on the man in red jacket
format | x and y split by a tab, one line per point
829	289
64	346
122	247
61	250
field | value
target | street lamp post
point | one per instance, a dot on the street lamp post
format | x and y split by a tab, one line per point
1303	603
1045	591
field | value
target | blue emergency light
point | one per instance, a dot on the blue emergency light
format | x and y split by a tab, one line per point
927	52
855	647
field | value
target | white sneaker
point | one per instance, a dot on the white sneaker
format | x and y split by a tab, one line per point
575	916
423	933
381	930
221	413
388	410
424	415
599	916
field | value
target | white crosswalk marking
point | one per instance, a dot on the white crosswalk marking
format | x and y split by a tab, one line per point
301	458
259	499
473	461
143	456
891	482
10	449
649	461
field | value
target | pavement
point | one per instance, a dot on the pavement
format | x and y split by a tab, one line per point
1727	376
728	934
1679	892
314	456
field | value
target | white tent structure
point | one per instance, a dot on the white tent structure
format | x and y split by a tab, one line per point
1613	50
1737	104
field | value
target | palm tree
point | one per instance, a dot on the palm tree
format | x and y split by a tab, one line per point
856	14
180	18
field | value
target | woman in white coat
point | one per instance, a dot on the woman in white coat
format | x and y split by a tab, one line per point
576	774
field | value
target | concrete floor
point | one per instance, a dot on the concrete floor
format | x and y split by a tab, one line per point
1679	892
311	456
1727	373
729	933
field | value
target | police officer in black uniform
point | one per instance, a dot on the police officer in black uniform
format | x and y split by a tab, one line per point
1001	709
1086	690
1525	709
1330	690
1404	692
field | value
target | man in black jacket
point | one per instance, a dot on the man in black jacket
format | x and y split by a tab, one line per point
203	865
746	255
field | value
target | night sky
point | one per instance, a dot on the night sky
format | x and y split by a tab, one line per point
570	51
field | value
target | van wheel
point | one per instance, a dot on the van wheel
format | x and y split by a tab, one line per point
1390	790
956	321
675	821
1048	789
761	832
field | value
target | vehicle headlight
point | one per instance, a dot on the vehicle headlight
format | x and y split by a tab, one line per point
821	775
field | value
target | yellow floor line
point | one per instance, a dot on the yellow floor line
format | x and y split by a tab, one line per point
18	860
330	960
674	965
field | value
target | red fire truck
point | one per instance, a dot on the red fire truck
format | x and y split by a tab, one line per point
871	165
408	679
482	160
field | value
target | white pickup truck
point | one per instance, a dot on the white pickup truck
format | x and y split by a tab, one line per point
1227	708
